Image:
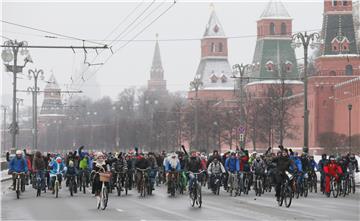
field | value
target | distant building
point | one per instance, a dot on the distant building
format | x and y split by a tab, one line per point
214	69
157	83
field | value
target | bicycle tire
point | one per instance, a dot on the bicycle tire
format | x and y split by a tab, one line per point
18	181
71	187
56	189
199	197
104	198
287	196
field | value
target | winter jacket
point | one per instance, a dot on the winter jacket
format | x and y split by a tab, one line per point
84	164
216	168
142	163
56	168
168	166
258	166
38	163
232	165
194	164
283	163
18	165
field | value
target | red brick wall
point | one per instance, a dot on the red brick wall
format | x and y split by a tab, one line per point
326	66
263	27
206	47
328	6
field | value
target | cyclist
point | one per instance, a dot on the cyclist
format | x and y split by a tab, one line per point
71	171
283	163
232	166
172	164
119	166
18	165
142	162
332	169
99	165
353	163
153	169
56	169
39	167
322	163
215	169
193	166
258	167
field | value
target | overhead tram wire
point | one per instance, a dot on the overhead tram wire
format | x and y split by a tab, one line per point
124	45
141	14
49	32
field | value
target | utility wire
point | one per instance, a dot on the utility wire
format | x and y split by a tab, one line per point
49	32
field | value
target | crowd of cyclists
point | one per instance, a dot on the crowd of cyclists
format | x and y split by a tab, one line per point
238	172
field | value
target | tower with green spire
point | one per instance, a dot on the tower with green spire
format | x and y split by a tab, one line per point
274	56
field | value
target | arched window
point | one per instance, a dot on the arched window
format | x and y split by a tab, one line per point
272	28
349	69
283	28
220	47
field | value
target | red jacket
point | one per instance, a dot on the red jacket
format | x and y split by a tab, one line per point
333	169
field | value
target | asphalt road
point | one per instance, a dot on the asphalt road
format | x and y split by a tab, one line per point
162	207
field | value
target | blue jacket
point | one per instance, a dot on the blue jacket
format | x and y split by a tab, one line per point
297	162
232	165
56	167
169	168
18	165
314	165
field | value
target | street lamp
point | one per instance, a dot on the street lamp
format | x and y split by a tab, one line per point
91	122
350	108
34	74
306	40
152	109
196	84
241	69
19	101
4	127
10	53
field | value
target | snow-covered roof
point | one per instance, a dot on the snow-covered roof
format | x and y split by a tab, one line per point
218	67
214	27
275	82
275	9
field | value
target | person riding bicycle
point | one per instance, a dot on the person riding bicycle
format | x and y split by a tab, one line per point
322	163
232	166
283	163
18	165
39	167
172	164
56	169
142	162
215	169
297	170
353	163
119	168
99	166
259	167
332	169
193	166
153	169
71	171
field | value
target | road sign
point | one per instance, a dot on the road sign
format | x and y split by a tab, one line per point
242	130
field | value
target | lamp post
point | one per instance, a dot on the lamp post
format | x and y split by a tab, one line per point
4	127
91	129
196	84
117	137
18	102
34	74
305	40
241	70
152	110
350	108
10	53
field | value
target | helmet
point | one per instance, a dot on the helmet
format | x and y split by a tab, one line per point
19	152
71	163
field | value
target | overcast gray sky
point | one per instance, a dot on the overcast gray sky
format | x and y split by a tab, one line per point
130	66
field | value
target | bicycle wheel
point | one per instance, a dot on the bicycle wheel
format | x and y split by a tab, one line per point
335	189
199	197
56	189
287	196
281	200
260	188
118	187
126	184
246	186
84	184
305	188
104	198
193	195
71	186
18	188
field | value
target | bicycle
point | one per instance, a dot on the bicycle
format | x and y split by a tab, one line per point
216	183
143	185
56	185
334	187
246	183
38	184
259	189
121	177
195	191
234	184
83	181
312	181
172	182
182	182
286	190
19	186
351	181
72	185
